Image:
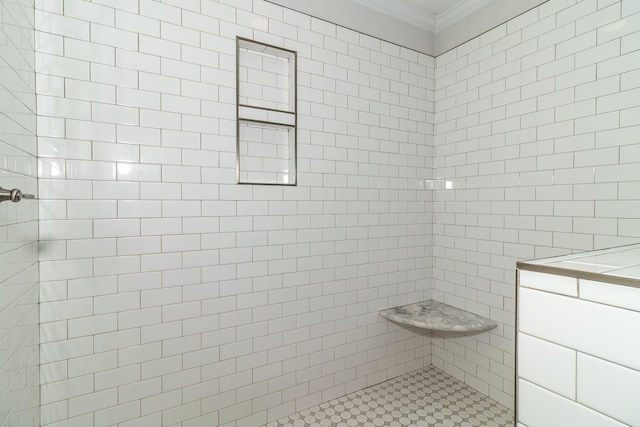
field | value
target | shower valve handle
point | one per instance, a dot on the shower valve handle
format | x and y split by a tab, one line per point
14	195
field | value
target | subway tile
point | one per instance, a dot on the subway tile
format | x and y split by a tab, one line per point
160	155
62	67
79	129
557	35
62	25
629	7
159	47
52	106
522	21
92	325
138	98
560	409
87	91
623	208
120	5
72	269
92	287
116	228
67	389
602	156
554	68
85	170
181	69
160	12
138	172
90	364
549	283
115	414
576	44
598	88
137	23
607	387
110	75
629	43
576	11
180	34
160	119
115	190
137	61
576	77
611	346
595	191
616	137
70	309
598	19
598	53
605	293
49	85
619	64
86	51
110	36
629	154
598	122
627	25
88	209
54	6
618	101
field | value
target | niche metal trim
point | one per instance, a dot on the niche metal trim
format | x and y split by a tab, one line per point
261	47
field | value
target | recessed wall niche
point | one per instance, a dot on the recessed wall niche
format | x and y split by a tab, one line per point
266	150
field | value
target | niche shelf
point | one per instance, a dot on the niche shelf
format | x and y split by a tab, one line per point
266	146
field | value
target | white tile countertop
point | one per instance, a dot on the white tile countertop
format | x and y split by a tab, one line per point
620	265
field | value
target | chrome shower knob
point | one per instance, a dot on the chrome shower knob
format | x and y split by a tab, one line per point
14	195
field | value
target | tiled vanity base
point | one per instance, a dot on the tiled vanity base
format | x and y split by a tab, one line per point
436	316
424	398
578	341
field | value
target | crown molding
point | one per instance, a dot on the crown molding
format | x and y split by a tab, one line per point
457	12
479	21
364	19
472	18
403	12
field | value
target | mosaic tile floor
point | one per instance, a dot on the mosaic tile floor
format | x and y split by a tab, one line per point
425	398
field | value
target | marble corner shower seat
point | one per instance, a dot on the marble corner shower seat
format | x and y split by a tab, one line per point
436	316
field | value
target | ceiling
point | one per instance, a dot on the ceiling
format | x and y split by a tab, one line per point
432	15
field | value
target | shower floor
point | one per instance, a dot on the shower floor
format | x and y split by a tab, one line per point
427	397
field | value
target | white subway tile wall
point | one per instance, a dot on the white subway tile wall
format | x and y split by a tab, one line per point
19	335
535	133
172	296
